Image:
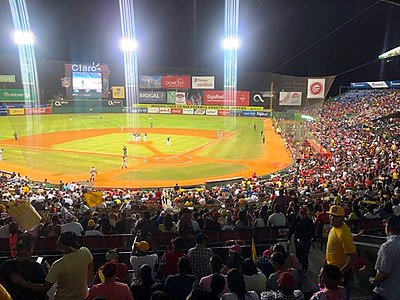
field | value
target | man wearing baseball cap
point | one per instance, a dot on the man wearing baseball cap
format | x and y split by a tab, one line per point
140	256
340	249
387	278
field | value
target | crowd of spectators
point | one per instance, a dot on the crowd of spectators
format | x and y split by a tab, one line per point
360	174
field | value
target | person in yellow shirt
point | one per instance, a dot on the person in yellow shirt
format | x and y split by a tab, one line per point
340	249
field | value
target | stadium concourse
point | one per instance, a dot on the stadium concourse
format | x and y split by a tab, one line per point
355	178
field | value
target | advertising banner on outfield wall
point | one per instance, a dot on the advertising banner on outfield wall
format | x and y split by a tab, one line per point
290	98
176	82
203	82
150	82
3	112
225	99
164	110
153	110
261	98
375	84
171	97
38	111
224	112
180	98
16	111
211	112
137	110
7	78
249	113
176	111
316	88
14	95
152	97
188	111
199	111
194	97
118	92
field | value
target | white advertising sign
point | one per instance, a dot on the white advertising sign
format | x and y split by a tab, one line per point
203	82
180	98
290	98
316	88
188	111
165	110
153	110
212	112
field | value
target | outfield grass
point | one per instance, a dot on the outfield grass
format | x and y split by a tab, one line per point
241	142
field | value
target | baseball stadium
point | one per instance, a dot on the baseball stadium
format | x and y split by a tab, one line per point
233	149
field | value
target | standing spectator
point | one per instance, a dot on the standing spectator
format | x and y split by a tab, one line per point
237	288
329	279
277	218
70	272
168	224
287	289
199	257
142	257
216	267
122	268
110	289
303	231
281	201
387	278
169	261
340	249
179	286
25	267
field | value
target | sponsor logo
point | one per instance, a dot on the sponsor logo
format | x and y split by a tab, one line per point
176	111
150	96
188	111
37	111
172	82
211	112
224	113
153	110
249	113
316	88
199	111
164	110
86	68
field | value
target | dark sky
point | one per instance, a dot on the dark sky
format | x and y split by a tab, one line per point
187	33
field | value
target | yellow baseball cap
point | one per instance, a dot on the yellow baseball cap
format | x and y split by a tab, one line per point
142	246
336	210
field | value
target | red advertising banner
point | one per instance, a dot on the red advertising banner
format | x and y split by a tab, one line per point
226	98
176	82
176	111
38	111
224	113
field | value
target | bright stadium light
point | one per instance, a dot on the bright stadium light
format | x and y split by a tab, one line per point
231	43
24	38
129	45
391	53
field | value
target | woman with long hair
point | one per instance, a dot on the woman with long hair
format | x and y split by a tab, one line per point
237	288
168	225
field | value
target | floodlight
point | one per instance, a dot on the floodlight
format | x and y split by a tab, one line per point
391	53
24	38
129	45
231	43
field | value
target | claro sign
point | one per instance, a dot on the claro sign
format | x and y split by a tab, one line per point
86	68
176	82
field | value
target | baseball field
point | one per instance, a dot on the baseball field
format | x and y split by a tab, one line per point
65	147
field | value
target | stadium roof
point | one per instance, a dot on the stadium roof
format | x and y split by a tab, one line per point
303	37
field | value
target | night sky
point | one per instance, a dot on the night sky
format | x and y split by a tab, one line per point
187	33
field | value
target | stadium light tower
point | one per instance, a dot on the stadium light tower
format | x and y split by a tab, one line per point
24	38
391	53
128	45
231	43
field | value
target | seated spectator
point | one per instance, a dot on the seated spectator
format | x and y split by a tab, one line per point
218	285
146	225
291	261
243	221
277	218
264	264
169	261
179	286
278	262
230	224
199	257
200	294
91	229
237	288
286	289
235	258
141	288
255	280
168	224
122	268
142	257
110	289
329	279
216	267
72	225
53	229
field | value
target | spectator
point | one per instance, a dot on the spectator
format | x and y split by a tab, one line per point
291	261
237	288
277	218
329	279
168	224
243	221
26	268
91	229
216	267
281	202
340	249
70	273
72	225
199	257
286	289
218	285
179	286
255	280
169	261
110	289
235	258
122	268
142	257
387	277
141	288
146	225
278	262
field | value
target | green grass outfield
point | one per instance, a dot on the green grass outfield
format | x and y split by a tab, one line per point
105	151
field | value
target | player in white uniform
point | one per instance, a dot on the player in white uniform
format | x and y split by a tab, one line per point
93	173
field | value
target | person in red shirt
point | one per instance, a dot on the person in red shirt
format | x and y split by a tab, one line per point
169	261
122	268
110	289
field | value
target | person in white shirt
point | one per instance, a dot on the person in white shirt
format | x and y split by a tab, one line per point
91	229
237	287
72	225
277	218
142	258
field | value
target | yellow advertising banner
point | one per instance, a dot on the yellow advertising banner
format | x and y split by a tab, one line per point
16	111
253	108
118	92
